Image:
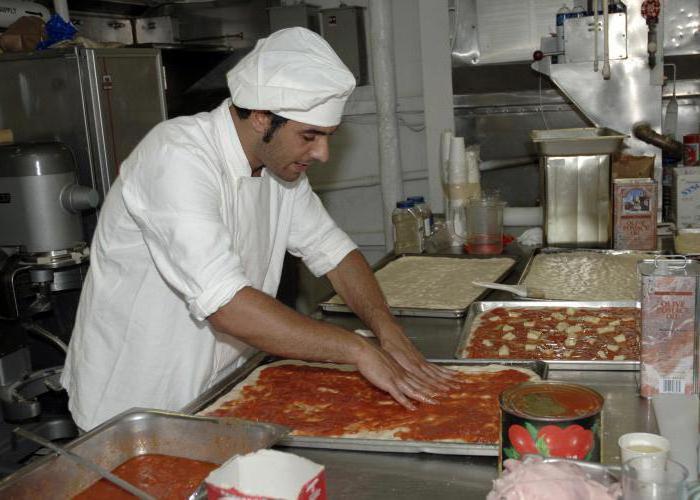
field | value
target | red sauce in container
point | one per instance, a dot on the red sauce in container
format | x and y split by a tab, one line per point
162	476
552	419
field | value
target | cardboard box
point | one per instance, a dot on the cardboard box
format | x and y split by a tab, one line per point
634	214
632	167
267	474
686	197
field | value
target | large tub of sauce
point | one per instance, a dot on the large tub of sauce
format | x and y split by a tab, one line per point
551	419
141	433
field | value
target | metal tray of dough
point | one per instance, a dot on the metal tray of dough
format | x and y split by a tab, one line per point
576	141
560	364
138	432
329	306
379	445
551	250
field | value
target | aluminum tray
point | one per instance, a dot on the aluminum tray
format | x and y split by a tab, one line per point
419	311
479	307
526	271
380	445
137	432
576	141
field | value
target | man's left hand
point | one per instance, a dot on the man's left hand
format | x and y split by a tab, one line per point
405	353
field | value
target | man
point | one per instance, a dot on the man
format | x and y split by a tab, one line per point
188	251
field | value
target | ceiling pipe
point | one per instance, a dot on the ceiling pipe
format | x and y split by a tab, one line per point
644	132
61	8
382	53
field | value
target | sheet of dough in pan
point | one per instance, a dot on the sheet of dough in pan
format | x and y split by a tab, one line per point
586	275
236	394
436	282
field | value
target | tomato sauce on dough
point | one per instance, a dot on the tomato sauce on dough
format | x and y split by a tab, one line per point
316	401
162	476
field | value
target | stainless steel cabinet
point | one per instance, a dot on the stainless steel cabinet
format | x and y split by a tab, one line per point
101	102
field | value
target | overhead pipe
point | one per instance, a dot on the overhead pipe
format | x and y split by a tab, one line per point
644	132
382	53
61	8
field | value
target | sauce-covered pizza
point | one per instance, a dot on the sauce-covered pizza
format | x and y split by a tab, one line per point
336	401
556	333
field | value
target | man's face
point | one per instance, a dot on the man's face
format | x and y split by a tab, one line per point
293	148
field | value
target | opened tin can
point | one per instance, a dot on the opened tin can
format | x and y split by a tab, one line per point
551	419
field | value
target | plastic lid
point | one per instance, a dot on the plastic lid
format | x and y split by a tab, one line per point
403	204
416	199
410	203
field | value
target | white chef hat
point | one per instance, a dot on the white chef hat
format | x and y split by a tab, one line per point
295	74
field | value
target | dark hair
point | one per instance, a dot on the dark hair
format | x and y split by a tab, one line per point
276	121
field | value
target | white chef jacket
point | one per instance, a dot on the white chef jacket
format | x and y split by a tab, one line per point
183	229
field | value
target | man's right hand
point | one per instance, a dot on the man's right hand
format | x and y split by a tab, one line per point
378	367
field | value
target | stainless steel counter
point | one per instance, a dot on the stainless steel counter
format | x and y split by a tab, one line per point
391	475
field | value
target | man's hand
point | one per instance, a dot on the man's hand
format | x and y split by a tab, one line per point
405	354
379	368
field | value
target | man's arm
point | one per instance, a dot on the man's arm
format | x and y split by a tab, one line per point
265	323
355	282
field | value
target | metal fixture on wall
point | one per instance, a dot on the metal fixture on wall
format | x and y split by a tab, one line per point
381	41
632	95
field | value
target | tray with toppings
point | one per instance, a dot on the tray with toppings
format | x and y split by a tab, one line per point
334	407
583	274
437	286
565	334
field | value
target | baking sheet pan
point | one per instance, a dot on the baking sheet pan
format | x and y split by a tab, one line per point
419	311
576	141
598	365
551	250
379	445
137	432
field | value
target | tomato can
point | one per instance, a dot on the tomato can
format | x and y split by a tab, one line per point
691	150
551	419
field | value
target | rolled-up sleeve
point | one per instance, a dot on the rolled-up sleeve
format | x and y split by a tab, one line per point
176	202
314	236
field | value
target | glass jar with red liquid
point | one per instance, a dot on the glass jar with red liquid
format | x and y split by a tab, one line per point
485	226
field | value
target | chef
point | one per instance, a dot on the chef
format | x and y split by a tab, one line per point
187	255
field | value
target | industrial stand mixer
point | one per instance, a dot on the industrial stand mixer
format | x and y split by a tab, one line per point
43	261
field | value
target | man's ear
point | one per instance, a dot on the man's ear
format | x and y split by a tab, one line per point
260	120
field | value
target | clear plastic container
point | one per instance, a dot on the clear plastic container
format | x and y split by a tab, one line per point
408	237
485	226
426	214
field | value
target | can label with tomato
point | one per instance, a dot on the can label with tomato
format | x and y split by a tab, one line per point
691	150
551	419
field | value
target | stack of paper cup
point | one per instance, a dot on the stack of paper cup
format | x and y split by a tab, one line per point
457	174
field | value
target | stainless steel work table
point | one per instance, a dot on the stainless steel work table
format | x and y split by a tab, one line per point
398	475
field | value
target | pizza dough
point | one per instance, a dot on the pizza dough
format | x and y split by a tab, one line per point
369	413
586	275
436	282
